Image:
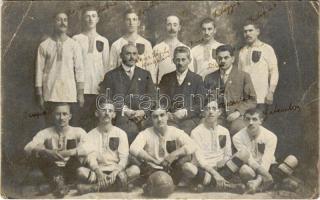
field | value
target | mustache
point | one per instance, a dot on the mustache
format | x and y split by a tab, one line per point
172	31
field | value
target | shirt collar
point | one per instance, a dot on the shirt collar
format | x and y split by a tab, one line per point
228	71
127	68
183	74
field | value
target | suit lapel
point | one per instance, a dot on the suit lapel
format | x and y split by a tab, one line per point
230	78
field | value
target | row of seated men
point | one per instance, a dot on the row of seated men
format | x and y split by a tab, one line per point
74	70
102	159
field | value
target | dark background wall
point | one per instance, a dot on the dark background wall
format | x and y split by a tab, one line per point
290	27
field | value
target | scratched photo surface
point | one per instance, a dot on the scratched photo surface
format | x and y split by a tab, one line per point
291	28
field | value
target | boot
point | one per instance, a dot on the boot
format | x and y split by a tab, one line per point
87	188
122	182
198	188
238	188
59	187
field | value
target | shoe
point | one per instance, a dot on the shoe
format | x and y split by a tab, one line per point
87	188
59	187
197	188
238	188
289	184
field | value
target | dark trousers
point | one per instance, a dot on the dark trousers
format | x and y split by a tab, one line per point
50	170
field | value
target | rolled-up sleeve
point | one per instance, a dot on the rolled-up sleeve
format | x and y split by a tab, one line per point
138	144
36	143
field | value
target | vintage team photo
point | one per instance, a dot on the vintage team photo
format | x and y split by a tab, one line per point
152	99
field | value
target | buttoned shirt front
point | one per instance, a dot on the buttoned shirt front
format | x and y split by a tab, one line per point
145	60
263	71
58	68
163	54
181	76
50	139
108	151
95	54
204	61
160	146
261	149
214	144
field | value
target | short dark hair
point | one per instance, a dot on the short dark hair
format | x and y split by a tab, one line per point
54	105
89	8
206	21
253	111
253	23
56	13
182	49
129	11
226	47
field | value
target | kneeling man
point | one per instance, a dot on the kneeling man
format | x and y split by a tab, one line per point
55	149
107	150
261	144
162	147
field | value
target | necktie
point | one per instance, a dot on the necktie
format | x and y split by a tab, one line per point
130	73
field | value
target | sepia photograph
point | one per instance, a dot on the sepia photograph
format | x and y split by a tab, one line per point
160	99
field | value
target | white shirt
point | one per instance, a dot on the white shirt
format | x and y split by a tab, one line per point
203	61
152	143
264	73
266	138
129	70
181	76
49	138
146	60
95	60
163	54
101	154
210	143
58	68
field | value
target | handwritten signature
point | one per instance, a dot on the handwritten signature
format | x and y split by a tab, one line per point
290	108
37	114
262	13
225	8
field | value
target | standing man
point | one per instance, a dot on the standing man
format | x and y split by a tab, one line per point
162	147
232	88
106	148
261	144
95	53
129	86
185	90
163	52
54	150
259	60
204	54
59	69
145	57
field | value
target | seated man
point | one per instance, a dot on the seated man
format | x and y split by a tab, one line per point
232	88
184	91
214	157
261	144
54	149
162	147
107	149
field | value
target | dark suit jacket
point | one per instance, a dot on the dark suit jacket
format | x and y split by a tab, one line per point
238	89
192	85
121	87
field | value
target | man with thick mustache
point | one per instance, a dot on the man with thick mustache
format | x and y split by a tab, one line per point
129	86
59	68
145	56
163	52
204	54
232	88
259	60
184	90
106	149
95	54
